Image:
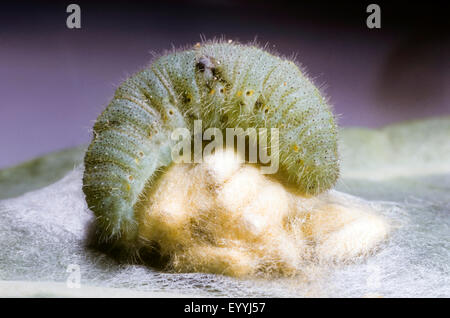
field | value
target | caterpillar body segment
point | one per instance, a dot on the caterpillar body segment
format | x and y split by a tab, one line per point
224	85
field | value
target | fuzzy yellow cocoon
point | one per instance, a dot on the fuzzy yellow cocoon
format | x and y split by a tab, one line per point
225	217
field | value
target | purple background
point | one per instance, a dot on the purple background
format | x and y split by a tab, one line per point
55	81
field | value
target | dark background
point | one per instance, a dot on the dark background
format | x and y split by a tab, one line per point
54	81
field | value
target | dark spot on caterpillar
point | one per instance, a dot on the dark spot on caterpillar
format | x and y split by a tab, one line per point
112	122
192	116
201	67
187	99
205	63
224	118
130	178
216	73
171	112
259	103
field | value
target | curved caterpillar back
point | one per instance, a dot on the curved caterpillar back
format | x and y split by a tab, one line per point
225	85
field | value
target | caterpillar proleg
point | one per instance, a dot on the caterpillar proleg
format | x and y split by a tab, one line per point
224	85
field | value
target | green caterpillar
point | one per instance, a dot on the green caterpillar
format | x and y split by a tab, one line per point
224	85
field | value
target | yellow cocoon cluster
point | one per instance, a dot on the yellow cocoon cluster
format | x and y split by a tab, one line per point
225	217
